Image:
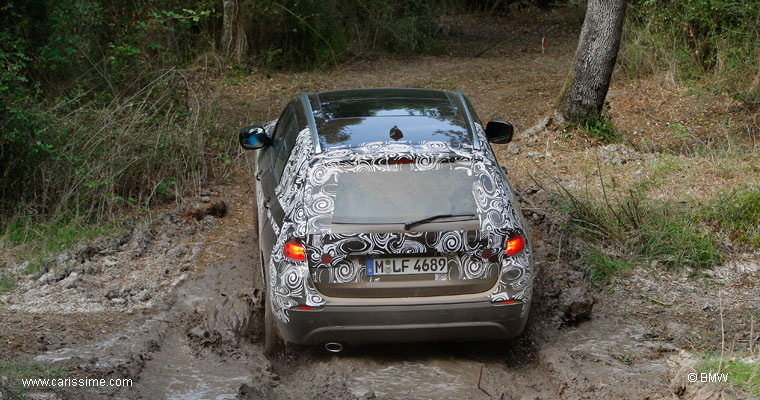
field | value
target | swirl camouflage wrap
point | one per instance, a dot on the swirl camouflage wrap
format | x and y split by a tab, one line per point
307	192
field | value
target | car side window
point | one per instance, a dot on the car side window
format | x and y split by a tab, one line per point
284	139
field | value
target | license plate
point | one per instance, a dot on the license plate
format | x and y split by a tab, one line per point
406	266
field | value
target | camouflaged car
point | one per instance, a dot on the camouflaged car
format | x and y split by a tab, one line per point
385	217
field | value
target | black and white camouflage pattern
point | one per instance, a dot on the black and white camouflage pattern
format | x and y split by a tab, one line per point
307	191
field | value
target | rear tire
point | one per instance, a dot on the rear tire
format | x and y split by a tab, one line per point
273	342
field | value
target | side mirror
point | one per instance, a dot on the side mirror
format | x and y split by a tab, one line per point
253	137
499	132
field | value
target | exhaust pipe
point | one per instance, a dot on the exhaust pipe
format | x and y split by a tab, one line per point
334	347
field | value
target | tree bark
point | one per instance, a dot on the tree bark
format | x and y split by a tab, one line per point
587	83
234	41
229	18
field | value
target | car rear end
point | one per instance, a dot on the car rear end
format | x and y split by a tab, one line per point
416	245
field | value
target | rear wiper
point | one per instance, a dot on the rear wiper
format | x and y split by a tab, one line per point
411	224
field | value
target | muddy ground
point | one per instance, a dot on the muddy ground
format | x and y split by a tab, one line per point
174	304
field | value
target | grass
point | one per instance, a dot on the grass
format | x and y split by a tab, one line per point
635	230
742	371
737	213
674	236
36	242
7	283
604	266
642	232
15	371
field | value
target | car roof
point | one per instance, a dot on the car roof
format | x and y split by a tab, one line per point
351	118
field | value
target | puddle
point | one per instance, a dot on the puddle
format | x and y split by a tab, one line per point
434	380
114	351
176	373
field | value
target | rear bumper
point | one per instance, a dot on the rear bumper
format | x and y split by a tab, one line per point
361	324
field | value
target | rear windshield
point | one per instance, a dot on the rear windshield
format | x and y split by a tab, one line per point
377	197
391	107
356	117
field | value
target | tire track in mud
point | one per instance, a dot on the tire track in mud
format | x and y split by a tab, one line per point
202	341
211	348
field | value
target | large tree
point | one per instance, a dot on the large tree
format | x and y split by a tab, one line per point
589	78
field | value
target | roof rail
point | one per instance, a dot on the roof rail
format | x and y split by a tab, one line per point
304	98
470	122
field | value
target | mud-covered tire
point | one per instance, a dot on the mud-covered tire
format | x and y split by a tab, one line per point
273	342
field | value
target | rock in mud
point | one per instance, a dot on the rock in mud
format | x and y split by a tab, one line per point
576	305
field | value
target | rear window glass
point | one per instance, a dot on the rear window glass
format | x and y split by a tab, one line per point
375	197
398	107
356	117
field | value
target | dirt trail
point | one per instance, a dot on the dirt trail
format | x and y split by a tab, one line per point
174	304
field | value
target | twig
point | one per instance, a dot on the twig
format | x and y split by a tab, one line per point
481	378
754	372
722	331
751	339
751	332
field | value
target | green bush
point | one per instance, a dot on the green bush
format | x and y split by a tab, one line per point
714	42
95	115
93	159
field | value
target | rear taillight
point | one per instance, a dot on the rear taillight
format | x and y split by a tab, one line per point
294	250
515	244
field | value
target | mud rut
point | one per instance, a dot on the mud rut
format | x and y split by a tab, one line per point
205	344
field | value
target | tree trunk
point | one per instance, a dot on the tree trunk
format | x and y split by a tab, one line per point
229	19
234	41
586	87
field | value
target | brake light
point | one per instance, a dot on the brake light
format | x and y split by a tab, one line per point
400	161
294	250
515	244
